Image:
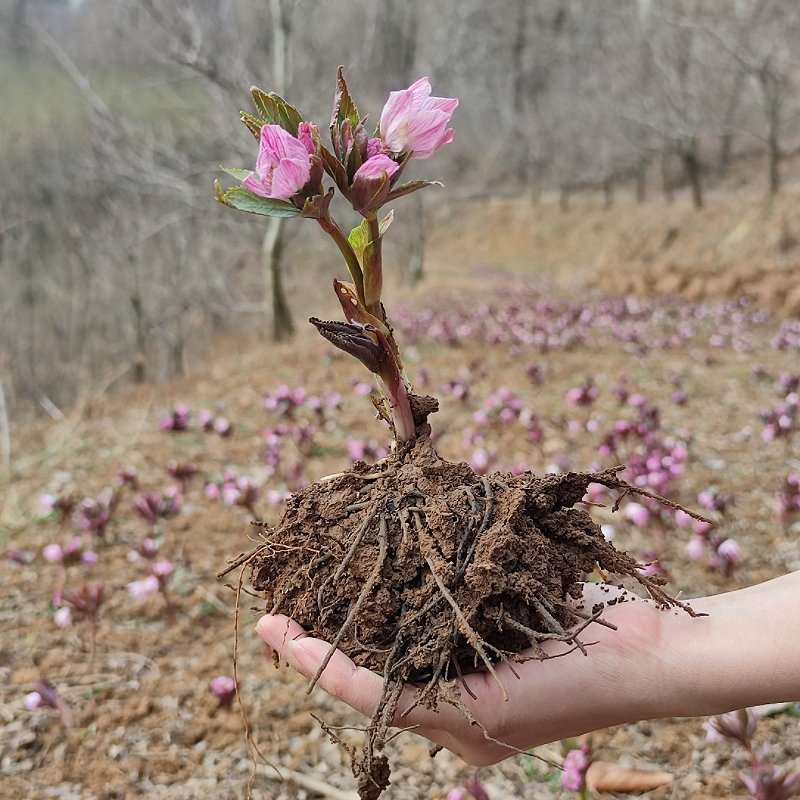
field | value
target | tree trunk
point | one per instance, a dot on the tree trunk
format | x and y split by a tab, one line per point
692	166
272	244
641	179
666	176
563	197
773	143
608	191
139	361
5	433
271	256
417	249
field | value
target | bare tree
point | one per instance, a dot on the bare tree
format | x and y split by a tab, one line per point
272	245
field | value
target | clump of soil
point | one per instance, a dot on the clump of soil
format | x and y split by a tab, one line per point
422	571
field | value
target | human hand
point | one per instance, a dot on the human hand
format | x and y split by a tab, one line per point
618	680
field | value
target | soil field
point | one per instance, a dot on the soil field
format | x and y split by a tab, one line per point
501	347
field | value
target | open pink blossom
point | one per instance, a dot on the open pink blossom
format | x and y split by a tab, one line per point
283	166
414	122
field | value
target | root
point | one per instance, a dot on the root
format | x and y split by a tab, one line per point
368	586
381	571
467	630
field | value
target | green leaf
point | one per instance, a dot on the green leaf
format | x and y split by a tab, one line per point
254	125
407	188
276	111
235	172
359	238
343	105
240	198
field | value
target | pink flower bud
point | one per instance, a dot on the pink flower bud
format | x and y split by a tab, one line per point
163	568
702	527
225	690
372	181
414	122
696	548
139	590
205	419
283	166
730	551
576	763
63	617
480	460
212	491
304	131
53	553
637	514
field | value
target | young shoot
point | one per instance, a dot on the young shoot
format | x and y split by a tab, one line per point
288	182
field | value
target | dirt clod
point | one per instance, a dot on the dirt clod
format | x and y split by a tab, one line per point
423	571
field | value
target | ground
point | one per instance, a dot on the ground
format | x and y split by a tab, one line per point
491	314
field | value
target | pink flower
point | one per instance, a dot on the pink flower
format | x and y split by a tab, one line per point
414	122
369	187
696	548
702	527
212	491
480	460
223	427
163	568
205	419
637	514
730	551
143	588
225	690
283	166
53	553
576	763
63	617
305	138
682	519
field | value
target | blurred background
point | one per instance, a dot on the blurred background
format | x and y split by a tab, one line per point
116	266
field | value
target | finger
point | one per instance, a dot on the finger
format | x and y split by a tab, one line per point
354	685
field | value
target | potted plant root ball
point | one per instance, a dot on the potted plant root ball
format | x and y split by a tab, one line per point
417	568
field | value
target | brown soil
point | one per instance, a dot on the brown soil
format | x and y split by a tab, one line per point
145	723
422	571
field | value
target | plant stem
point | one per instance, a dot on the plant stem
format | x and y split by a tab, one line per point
329	225
373	269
